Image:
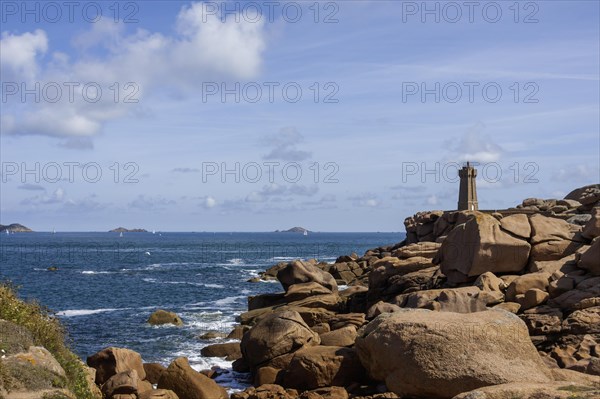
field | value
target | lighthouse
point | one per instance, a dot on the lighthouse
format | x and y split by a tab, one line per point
467	195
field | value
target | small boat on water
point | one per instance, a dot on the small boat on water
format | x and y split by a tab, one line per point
305	232
121	234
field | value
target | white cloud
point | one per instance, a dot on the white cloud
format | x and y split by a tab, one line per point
367	200
20	53
432	200
579	173
203	49
275	190
144	202
57	197
475	147
209	202
284	145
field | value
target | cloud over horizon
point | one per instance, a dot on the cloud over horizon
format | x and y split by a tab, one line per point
142	63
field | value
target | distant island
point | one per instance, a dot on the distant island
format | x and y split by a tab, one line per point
124	230
15	228
293	230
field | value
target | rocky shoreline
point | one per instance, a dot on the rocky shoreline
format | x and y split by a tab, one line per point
472	305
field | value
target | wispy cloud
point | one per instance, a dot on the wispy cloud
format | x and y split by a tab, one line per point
31	187
144	202
285	145
368	200
185	170
474	146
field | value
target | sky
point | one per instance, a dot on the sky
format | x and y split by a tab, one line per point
257	116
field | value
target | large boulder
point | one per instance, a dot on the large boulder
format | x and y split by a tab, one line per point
321	366
344	336
275	335
228	350
421	249
438	355
586	294
124	383
587	195
458	300
153	372
111	361
585	321
524	283
301	291
481	245
552	238
555	390
161	316
158	394
298	272
187	383
387	267
517	224
590	259
591	229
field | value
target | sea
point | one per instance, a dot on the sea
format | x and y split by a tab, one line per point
104	286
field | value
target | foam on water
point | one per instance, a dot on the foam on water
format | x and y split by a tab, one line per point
86	312
229	300
283	258
96	272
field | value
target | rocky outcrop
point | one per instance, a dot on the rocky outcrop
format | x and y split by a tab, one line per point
555	390
421	353
481	245
588	259
161	316
187	383
299	272
472	304
111	361
322	366
228	350
278	334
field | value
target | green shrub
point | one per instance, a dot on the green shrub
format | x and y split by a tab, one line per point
47	331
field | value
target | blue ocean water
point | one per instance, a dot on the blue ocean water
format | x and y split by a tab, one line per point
107	286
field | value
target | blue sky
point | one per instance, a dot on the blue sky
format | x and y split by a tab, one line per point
393	98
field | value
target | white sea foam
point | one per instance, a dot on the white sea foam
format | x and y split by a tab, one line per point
153	280
96	272
86	312
214	286
229	300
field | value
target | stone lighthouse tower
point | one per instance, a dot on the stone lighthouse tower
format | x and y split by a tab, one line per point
467	195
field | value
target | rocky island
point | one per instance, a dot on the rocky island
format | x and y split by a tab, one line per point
293	230
14	228
124	230
472	304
